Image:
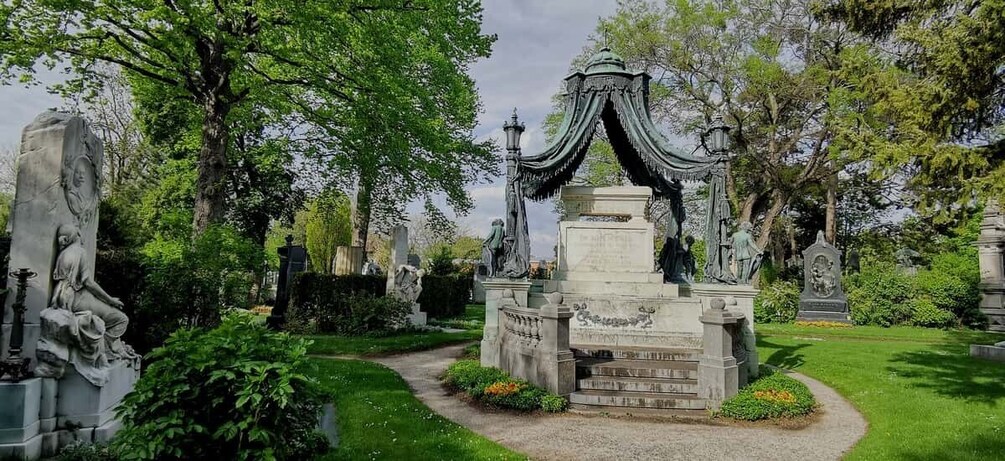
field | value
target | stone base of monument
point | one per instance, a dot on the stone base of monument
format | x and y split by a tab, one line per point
814	310
417	317
84	405
19	423
994	353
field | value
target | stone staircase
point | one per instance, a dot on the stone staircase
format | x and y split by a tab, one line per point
637	381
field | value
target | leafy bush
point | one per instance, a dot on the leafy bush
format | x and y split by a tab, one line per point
444	297
879	295
495	387
83	451
924	313
552	403
441	261
778	302
473	351
189	283
351	315
238	391
772	395
318	289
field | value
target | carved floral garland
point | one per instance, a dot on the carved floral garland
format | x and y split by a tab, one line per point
585	318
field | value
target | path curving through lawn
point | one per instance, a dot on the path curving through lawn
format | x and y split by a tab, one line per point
581	437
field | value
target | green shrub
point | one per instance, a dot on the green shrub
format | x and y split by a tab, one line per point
446	296
924	313
239	391
778	302
441	261
879	295
552	403
350	315
473	351
189	283
496	387
772	395
82	451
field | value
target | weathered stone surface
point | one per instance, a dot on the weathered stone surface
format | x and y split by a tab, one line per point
995	353
991	247
822	297
399	254
82	404
348	260
19	409
58	182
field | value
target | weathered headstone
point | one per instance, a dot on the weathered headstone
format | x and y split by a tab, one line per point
991	248
72	328
348	260
414	260
822	297
399	254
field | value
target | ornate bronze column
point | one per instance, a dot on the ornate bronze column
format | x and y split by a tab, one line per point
517	241
15	367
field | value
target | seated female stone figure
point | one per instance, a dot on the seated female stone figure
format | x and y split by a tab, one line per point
76	290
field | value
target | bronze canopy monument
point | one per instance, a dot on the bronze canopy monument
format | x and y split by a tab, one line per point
635	337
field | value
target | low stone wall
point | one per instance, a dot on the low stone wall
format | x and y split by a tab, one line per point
533	344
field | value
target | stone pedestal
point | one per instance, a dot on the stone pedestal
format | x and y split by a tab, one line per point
989	352
417	317
991	248
739	299
495	288
19	419
719	377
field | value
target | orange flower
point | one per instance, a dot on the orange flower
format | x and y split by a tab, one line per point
772	395
503	388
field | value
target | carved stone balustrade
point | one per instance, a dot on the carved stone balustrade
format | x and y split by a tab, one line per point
534	344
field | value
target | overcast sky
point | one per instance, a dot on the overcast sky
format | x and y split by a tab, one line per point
538	40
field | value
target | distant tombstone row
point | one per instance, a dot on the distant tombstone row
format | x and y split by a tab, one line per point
292	260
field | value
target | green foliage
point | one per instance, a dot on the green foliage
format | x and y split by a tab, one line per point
554	403
5	201
879	295
446	296
778	302
473	351
83	451
771	395
471	377
238	391
328	226
351	315
495	387
925	313
441	261
188	283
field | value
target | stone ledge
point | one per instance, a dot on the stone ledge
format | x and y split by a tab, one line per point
994	353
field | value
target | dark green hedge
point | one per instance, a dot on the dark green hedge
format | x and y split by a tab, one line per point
445	296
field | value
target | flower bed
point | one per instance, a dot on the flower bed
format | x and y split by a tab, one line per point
772	395
494	387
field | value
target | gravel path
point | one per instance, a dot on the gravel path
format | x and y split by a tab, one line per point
582	437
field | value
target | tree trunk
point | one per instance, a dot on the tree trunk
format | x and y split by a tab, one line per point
361	216
830	223
778	202
210	191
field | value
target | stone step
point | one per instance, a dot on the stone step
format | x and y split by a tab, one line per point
637	400
586	368
651	385
636	353
632	411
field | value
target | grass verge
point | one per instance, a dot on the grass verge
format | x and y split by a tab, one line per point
922	393
366	346
379	418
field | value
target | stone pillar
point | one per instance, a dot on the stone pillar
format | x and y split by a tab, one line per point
991	247
348	260
718	374
399	254
494	291
556	365
741	300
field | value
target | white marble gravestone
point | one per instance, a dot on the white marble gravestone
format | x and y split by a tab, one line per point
58	184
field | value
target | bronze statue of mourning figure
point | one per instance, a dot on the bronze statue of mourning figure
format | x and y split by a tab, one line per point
746	253
492	248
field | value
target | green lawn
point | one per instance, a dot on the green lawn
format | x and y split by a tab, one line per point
379	418
925	398
365	346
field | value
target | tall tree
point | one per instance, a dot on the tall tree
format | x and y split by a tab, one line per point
328	227
952	100
783	79
303	59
